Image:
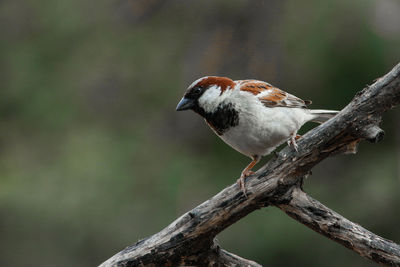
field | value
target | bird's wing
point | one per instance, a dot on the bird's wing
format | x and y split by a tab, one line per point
271	96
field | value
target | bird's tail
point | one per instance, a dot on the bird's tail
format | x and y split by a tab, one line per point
322	115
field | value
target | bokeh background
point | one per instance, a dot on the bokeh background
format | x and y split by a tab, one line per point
93	156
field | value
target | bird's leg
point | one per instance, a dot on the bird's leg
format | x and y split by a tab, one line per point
292	140
247	172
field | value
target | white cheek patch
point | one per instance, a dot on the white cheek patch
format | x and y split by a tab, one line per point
210	99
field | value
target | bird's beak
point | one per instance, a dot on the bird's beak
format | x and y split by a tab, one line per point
185	104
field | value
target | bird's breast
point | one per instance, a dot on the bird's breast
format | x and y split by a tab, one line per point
260	131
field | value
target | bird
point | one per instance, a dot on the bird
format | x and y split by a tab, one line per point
252	116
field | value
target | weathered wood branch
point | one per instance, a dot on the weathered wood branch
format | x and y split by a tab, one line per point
189	240
225	258
325	221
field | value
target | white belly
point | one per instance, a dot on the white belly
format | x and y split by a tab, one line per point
260	131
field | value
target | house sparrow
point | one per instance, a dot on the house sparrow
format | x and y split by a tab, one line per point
251	116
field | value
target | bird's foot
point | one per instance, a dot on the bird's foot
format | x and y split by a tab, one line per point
292	141
240	181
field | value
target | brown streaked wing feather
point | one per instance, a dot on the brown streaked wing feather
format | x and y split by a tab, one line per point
279	98
254	87
275	97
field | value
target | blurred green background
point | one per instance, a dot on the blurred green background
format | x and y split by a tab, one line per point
94	157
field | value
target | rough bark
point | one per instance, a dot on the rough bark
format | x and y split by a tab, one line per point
189	240
325	221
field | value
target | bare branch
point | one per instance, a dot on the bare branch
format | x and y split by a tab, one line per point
325	221
189	239
225	258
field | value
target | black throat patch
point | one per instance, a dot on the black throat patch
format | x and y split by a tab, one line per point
223	118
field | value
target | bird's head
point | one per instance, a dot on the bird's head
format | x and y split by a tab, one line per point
205	94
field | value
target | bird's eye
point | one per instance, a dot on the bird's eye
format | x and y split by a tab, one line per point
197	90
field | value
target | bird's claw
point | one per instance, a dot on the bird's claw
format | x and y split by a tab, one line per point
292	141
240	181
